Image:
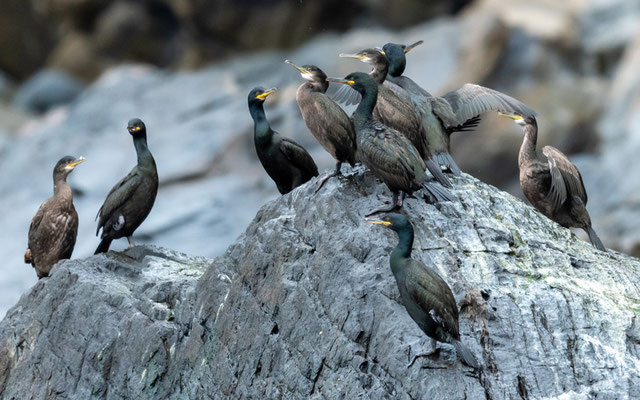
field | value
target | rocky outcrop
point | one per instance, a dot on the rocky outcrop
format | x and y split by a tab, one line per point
304	305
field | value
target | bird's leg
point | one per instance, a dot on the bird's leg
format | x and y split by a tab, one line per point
435	352
131	244
400	200
325	177
394	201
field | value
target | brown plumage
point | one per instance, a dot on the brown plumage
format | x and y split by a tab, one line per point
54	228
555	188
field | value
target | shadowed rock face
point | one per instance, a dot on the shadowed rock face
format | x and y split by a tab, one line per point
304	305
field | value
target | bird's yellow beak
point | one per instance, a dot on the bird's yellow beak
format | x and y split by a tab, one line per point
412	46
356	56
300	69
76	162
513	117
264	95
343	81
375	222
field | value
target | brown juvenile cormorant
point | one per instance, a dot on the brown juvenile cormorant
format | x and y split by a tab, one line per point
425	295
456	111
554	188
397	113
130	200
326	120
286	162
54	228
385	151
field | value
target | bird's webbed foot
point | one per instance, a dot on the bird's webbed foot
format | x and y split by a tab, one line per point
324	178
396	202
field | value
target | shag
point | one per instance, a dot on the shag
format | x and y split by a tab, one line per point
456	111
286	162
396	113
386	152
425	295
54	228
130	200
554	188
326	120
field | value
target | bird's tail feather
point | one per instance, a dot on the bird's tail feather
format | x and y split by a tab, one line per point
103	247
445	160
465	354
438	192
436	171
595	240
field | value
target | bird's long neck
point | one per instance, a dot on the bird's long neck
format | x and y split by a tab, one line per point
363	113
142	150
397	66
405	243
61	188
261	128
380	70
527	153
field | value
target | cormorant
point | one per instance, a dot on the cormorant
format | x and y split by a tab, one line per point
54	228
397	113
130	200
385	151
456	111
554	188
425	295
286	162
326	120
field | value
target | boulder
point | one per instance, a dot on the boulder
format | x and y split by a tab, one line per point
304	305
47	89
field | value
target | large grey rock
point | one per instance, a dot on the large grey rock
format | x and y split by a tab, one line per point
47	89
304	305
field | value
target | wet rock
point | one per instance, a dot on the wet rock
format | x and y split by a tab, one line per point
47	89
304	305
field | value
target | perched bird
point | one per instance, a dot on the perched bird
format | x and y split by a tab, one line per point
326	121
554	188
130	200
54	228
286	162
456	111
396	113
386	152
425	295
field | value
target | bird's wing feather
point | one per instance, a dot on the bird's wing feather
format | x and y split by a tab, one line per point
298	155
434	296
336	122
346	95
118	195
458	106
35	223
566	180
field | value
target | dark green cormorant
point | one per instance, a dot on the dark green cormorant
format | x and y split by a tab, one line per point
456	111
385	151
554	188
326	120
286	162
425	295
130	200
54	228
397	113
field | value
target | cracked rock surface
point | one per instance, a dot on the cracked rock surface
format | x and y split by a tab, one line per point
304	305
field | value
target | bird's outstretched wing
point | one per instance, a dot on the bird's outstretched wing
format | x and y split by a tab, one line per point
434	296
298	156
457	107
566	180
118	195
346	95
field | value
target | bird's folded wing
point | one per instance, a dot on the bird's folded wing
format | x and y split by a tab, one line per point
298	155
118	195
566	180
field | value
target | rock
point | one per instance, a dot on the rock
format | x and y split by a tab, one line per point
47	89
304	305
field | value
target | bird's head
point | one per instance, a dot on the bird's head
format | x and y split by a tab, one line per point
259	94
393	221
519	119
369	56
136	127
66	164
357	80
310	73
